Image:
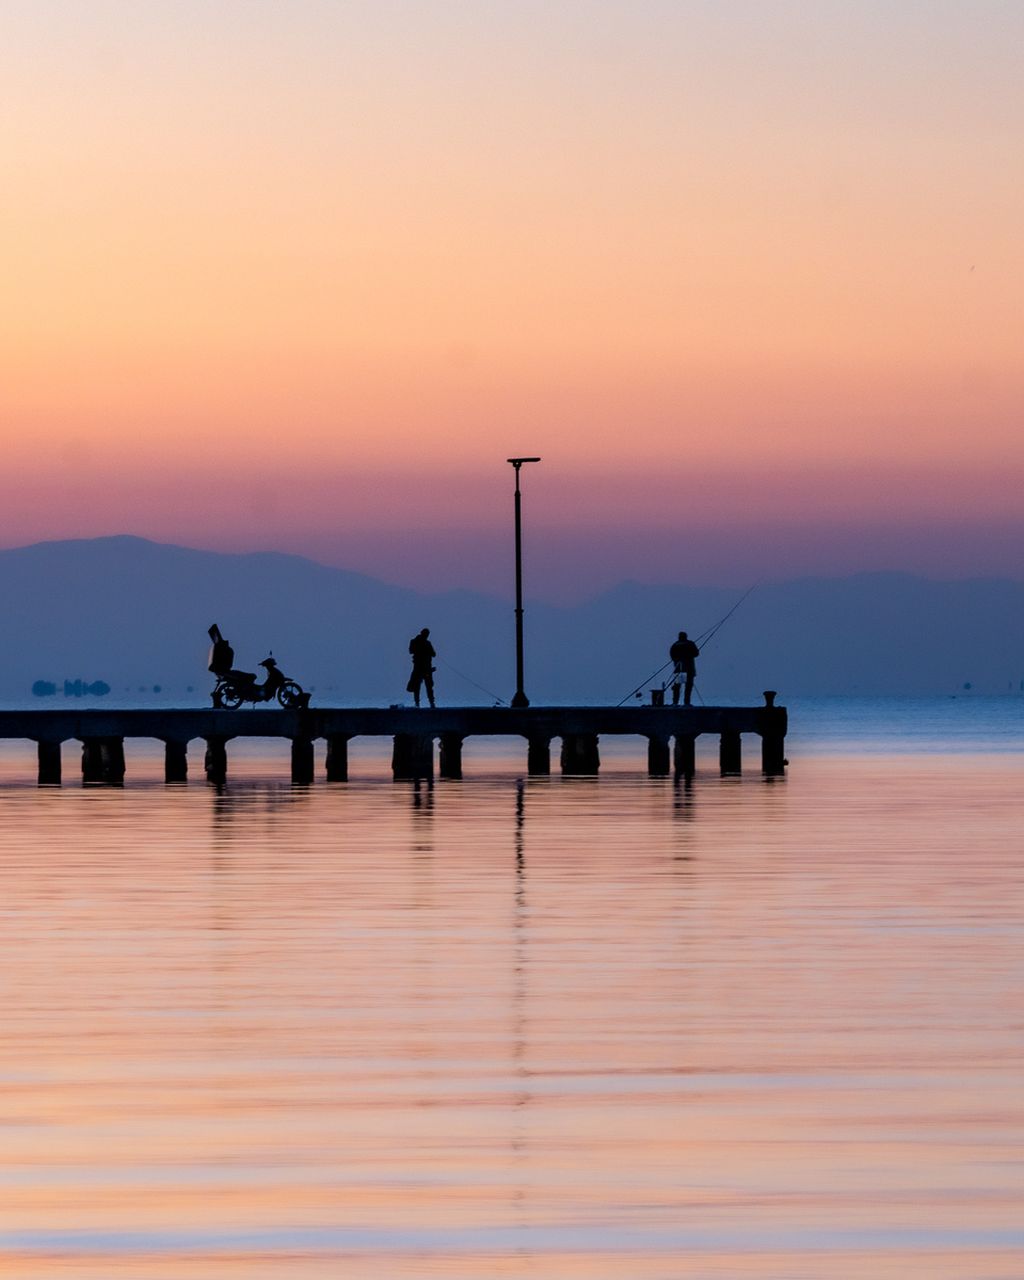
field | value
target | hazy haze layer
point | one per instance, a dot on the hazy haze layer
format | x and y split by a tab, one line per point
135	614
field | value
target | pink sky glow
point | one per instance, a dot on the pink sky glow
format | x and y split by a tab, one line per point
749	283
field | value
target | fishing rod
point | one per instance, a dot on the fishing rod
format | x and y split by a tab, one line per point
500	702
709	635
654	674
701	641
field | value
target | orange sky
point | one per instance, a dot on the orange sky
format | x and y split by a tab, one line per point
306	274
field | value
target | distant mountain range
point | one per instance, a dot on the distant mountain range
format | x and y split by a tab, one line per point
135	614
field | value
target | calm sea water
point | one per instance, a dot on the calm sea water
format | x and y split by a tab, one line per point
591	1029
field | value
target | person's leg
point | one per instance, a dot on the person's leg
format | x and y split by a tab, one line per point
675	693
415	683
428	680
688	691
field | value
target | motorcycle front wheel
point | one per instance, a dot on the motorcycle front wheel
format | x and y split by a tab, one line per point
290	694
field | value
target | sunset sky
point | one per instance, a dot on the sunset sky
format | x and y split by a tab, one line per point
302	275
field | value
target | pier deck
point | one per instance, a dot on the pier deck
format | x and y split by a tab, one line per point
671	733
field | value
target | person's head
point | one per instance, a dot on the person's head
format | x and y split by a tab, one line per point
682	635
214	633
425	632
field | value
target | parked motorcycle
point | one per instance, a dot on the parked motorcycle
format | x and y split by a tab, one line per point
236	687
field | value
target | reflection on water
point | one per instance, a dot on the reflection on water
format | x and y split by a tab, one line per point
544	1028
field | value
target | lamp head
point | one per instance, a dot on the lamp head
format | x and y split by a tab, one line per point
518	462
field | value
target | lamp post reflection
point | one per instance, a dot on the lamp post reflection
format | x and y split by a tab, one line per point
520	1091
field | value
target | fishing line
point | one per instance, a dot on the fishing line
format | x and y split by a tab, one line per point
469	680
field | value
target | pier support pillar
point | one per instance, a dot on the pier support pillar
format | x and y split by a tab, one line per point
92	760
580	755
175	761
113	761
216	760
49	764
773	754
538	757
773	736
337	758
657	756
730	752
412	756
451	755
103	761
685	752
302	762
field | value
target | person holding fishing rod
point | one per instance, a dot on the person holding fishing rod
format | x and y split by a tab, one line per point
683	655
678	670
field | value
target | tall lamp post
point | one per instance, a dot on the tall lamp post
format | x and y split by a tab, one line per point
519	698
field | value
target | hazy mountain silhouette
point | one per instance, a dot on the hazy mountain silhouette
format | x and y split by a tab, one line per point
135	612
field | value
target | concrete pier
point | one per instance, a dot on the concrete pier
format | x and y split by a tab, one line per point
670	733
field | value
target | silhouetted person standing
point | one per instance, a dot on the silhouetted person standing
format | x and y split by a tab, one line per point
423	656
684	655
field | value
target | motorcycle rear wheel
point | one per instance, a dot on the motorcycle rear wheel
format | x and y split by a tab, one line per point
229	698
